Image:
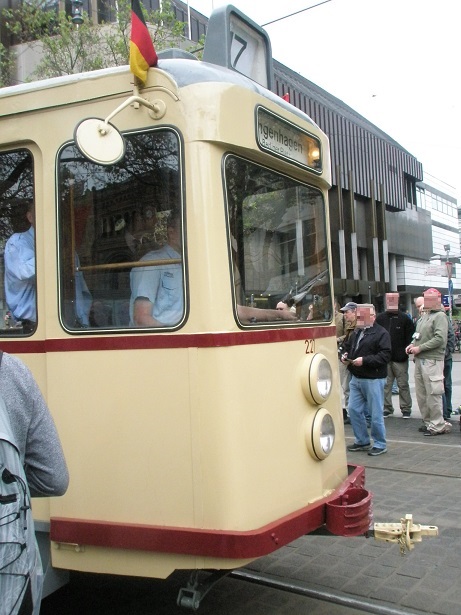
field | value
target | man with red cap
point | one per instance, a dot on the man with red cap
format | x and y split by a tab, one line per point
428	348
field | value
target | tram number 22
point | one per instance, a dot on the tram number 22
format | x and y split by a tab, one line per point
310	346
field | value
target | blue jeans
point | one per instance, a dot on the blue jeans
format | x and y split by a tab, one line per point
366	396
448	387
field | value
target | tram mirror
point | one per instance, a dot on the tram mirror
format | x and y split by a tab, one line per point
99	141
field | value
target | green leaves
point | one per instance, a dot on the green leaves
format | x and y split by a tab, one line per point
64	48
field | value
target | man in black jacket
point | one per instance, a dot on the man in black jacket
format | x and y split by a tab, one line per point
401	329
367	353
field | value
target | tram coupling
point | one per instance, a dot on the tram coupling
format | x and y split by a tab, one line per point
406	533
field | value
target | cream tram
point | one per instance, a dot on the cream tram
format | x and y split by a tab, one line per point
210	433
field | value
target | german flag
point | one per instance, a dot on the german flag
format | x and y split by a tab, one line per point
142	51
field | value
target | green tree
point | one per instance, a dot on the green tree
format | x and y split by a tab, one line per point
67	48
6	67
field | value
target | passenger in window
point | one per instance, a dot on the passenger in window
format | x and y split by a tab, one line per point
100	315
251	315
83	298
142	238
248	314
157	295
20	287
289	305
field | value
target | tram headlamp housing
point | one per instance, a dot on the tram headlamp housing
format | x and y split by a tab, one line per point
317	378
320	437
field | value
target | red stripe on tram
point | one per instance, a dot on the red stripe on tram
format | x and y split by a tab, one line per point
167	340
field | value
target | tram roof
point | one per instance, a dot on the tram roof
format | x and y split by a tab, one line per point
184	71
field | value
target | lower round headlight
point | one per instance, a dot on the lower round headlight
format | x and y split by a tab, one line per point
320	438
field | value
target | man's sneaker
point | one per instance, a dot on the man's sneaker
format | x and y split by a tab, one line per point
434	432
354	448
387	413
406	415
423	428
377	451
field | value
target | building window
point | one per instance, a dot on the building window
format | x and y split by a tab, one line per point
410	191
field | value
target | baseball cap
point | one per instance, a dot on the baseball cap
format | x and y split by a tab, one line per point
349	306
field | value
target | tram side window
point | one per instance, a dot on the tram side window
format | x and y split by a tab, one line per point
18	290
278	243
120	236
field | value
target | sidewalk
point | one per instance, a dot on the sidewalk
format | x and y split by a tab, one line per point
418	476
456	395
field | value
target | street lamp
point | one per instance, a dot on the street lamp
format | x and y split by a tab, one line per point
77	17
446	247
449	265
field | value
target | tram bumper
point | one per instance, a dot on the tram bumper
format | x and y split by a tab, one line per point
345	512
349	512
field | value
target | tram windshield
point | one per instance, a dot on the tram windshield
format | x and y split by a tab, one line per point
120	236
278	243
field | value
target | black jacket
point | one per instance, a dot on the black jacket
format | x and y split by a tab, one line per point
401	329
374	347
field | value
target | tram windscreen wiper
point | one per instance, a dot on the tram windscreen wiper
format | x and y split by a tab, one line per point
302	292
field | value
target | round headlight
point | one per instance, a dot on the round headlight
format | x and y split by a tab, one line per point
320	438
316	378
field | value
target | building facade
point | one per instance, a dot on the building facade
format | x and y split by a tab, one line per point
387	220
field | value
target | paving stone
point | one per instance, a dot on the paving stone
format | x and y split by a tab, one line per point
447	608
387	594
421	600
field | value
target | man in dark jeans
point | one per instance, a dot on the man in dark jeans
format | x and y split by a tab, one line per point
367	353
447	367
401	330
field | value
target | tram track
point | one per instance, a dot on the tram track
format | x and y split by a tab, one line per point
327	596
403	471
392	461
400	449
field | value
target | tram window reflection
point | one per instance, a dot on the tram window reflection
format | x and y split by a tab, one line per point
18	288
113	218
278	244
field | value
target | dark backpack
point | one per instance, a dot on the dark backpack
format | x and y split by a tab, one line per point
20	566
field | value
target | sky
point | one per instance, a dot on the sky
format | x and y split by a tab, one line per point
396	62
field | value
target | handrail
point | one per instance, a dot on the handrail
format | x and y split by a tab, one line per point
130	264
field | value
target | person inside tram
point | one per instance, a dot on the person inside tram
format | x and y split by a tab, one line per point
20	286
142	237
20	282
249	314
157	294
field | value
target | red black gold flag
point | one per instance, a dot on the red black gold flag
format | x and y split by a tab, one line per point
142	51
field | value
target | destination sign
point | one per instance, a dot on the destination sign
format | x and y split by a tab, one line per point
281	138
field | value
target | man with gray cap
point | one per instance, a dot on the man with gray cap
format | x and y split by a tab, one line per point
350	320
